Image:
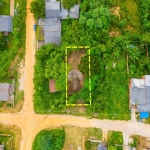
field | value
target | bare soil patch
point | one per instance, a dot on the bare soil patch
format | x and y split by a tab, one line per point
142	142
75	57
75	77
115	11
114	33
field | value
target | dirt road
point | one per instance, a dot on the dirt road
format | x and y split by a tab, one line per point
31	124
12	8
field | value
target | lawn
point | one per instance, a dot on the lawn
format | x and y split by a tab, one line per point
5	9
10	137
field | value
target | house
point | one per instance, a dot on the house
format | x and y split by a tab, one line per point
52	23
5	23
139	90
6	92
52	87
101	146
1	147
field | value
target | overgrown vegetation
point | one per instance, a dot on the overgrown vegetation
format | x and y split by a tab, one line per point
5	7
115	138
10	137
38	8
49	139
120	57
67	4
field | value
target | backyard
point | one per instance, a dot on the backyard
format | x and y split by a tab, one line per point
10	137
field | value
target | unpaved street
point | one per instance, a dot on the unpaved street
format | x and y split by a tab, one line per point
31	124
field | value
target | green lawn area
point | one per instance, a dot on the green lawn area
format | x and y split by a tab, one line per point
5	9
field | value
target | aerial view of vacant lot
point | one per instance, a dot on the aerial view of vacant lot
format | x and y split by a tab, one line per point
74	74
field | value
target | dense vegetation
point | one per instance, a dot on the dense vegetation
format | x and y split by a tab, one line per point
38	8
115	138
49	140
121	46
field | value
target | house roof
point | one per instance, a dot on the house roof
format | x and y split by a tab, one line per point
140	93
52	31
101	147
5	23
52	8
52	86
4	91
52	23
1	147
74	12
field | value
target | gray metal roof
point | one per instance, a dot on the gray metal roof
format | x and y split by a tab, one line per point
1	147
74	12
64	14
52	24
101	147
140	93
52	13
4	91
52	9
5	23
52	31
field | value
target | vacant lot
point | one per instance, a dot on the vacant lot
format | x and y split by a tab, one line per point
76	136
10	136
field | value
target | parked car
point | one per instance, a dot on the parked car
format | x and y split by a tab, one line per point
34	27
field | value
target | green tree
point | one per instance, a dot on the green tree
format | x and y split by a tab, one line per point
38	8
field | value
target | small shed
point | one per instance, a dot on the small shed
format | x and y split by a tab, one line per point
144	115
52	87
1	147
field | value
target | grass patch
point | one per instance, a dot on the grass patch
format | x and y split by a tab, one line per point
39	33
129	14
115	137
5	8
76	136
11	142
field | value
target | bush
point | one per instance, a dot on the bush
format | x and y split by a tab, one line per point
88	145
49	140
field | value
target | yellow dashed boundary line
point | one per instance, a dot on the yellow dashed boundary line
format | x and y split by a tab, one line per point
86	47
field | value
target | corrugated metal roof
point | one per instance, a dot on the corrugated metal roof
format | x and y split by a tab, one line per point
5	23
140	94
101	147
147	80
74	12
4	91
52	31
52	13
